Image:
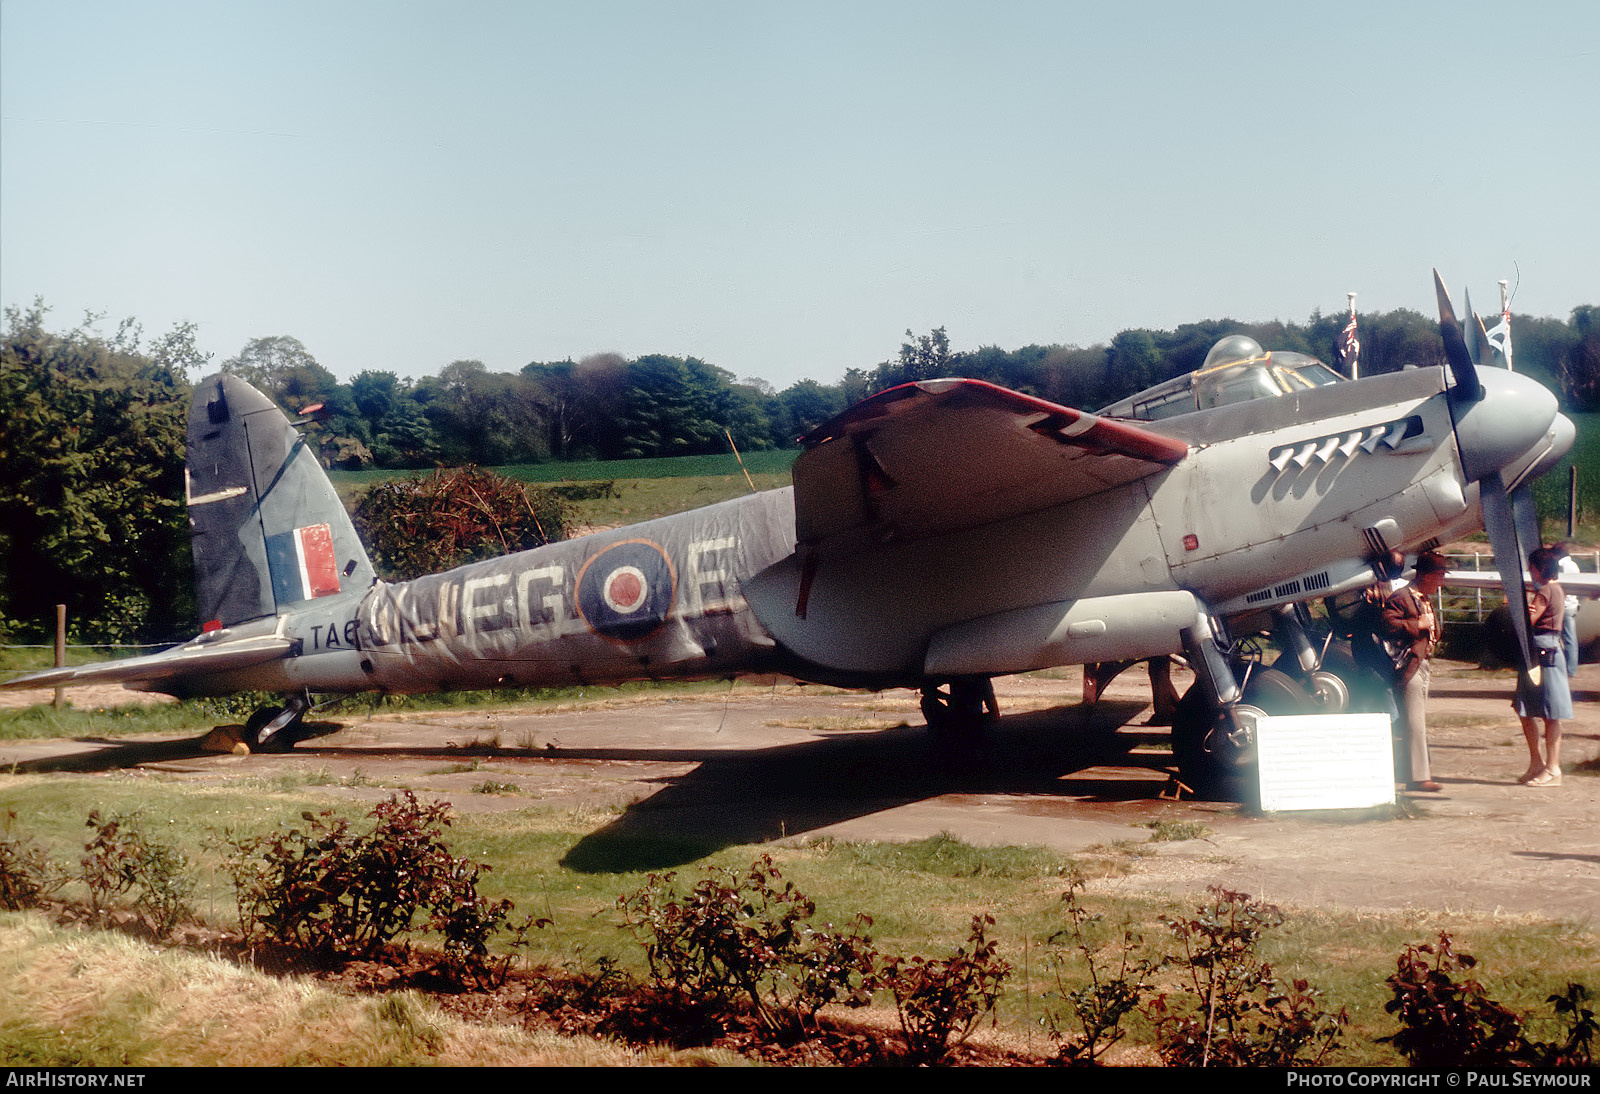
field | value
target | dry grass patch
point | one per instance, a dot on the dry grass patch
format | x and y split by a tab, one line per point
103	999
838	723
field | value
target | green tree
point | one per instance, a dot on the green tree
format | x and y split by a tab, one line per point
1133	364
670	408
91	479
1392	340
484	417
806	405
284	370
924	357
1580	366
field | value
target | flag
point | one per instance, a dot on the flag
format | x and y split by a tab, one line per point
302	566
1350	347
1500	335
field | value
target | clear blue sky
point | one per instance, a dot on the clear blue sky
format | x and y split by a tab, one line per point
782	190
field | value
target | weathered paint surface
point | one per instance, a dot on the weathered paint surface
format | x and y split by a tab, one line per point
663	598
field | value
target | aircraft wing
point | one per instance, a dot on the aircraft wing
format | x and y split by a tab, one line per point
1575	584
150	673
941	455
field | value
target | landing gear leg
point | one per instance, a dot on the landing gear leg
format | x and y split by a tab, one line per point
1214	732
271	729
1323	672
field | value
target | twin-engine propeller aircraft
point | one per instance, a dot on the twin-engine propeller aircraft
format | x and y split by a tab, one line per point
937	535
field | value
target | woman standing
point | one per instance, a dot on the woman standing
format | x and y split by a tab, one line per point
1551	700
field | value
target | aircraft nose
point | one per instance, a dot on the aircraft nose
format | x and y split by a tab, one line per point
1513	414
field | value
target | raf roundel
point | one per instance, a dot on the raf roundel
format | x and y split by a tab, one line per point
625	592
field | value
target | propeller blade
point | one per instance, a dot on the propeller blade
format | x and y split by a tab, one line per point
1455	347
1508	558
1470	328
1525	514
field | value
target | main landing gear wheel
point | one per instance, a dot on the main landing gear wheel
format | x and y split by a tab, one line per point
1216	748
961	710
1339	684
271	729
1331	685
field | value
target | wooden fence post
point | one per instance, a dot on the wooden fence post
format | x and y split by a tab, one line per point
61	649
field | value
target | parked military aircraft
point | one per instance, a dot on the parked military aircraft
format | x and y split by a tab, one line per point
937	535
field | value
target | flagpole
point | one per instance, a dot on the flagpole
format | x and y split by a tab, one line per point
1350	340
1505	320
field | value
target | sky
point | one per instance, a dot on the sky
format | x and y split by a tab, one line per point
783	190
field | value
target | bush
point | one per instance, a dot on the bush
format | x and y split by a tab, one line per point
1113	992
1445	1023
330	892
434	522
27	876
1240	1015
468	921
945	997
122	859
740	938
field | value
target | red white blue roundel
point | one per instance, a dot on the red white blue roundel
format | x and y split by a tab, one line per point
625	591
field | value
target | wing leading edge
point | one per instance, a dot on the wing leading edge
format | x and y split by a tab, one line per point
942	455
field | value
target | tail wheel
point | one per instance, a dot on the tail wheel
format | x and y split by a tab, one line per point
271	729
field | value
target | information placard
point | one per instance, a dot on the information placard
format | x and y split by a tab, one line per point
1325	761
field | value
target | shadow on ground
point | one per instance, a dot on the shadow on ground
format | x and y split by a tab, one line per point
766	794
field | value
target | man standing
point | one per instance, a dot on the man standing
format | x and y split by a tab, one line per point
1397	639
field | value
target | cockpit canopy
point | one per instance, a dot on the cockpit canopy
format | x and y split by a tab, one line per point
1235	371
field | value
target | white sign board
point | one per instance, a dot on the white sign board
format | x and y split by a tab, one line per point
1325	761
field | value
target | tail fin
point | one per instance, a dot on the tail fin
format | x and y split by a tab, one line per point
267	528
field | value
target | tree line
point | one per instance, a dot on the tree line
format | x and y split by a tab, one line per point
608	407
92	424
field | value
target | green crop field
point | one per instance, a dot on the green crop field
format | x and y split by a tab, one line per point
1551	490
772	461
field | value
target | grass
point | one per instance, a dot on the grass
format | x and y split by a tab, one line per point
770	461
1175	831
647	499
43	720
921	896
